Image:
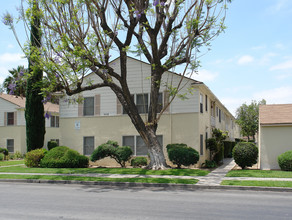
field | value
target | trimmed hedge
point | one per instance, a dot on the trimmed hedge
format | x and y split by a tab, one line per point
52	144
285	161
139	162
111	149
64	157
181	154
34	157
245	154
4	151
1	156
228	147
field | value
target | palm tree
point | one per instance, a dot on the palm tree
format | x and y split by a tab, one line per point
15	83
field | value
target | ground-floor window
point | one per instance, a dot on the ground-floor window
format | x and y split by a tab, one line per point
137	144
201	145
10	145
88	145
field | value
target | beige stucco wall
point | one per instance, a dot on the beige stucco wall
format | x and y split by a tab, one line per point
18	133
175	128
13	132
273	141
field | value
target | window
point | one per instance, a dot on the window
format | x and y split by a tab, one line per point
201	145
160	103
88	106
137	144
206	103
10	118
142	103
201	103
55	121
88	145
219	115
10	145
206	138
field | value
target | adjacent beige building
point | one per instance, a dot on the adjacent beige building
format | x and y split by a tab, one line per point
275	130
100	118
12	123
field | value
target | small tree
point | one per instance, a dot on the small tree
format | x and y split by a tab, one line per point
215	144
247	117
111	149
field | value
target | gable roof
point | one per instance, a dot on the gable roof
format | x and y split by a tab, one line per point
275	114
20	102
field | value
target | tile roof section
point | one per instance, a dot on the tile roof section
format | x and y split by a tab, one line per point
20	101
275	114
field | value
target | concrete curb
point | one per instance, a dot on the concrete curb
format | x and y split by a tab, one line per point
165	186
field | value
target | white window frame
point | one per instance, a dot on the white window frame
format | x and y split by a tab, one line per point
55	121
10	124
8	147
86	107
134	148
90	146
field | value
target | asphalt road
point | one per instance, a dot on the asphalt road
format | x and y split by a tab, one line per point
45	201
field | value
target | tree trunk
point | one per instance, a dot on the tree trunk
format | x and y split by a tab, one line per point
155	150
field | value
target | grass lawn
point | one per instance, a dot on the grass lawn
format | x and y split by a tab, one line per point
257	183
260	173
11	162
136	171
104	179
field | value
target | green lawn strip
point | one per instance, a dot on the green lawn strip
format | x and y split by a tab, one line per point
11	162
260	173
257	183
135	171
99	179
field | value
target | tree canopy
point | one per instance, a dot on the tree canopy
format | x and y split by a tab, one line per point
247	117
82	36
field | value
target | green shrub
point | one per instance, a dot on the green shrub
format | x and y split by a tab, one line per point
245	154
34	157
52	144
1	156
181	154
209	164
228	147
219	156
64	157
139	162
4	151
17	155
111	149
285	161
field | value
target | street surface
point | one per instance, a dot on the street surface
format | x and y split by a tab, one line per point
45	201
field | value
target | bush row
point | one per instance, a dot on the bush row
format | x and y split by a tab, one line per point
58	157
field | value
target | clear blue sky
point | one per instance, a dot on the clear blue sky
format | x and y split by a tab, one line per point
252	60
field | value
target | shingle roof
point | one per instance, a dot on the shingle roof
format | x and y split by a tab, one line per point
275	114
20	101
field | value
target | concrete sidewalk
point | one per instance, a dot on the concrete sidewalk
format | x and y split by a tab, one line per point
216	176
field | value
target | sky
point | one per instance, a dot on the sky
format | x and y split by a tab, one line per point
252	60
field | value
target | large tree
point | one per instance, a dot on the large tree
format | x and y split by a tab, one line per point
15	84
34	108
247	117
81	35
